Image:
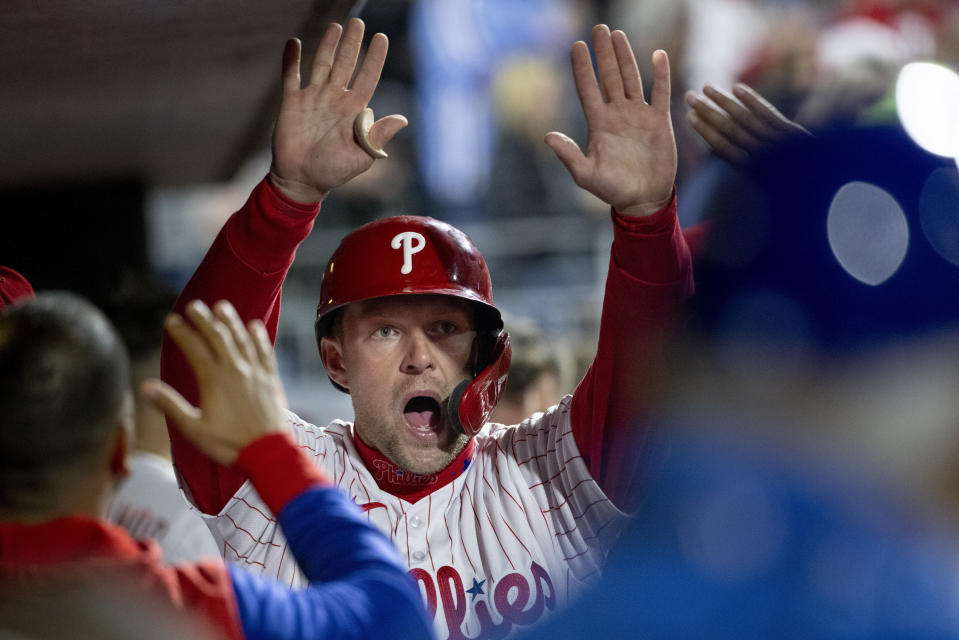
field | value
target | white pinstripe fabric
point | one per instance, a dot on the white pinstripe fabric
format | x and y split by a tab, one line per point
526	506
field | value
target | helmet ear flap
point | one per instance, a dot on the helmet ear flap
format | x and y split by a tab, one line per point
482	351
472	401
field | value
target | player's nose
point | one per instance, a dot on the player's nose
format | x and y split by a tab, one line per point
418	356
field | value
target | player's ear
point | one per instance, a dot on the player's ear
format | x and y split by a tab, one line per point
331	353
118	451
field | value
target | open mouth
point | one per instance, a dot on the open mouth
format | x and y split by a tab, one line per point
423	413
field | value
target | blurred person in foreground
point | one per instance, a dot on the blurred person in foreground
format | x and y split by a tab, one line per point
66	428
148	502
807	483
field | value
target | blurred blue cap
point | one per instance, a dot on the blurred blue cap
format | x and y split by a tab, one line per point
844	240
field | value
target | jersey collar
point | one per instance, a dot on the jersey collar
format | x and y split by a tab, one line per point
405	484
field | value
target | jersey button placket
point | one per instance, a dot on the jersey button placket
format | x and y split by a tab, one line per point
416	521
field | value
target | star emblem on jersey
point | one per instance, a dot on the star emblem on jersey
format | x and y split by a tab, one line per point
477	589
466	465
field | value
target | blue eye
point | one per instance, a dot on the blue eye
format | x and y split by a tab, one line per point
384	332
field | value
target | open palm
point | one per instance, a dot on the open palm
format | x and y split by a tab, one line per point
630	158
314	149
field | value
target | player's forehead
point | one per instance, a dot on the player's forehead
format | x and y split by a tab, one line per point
419	305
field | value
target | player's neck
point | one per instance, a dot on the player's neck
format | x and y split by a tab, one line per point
405	484
90	503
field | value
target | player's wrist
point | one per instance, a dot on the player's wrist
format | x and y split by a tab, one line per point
646	208
296	191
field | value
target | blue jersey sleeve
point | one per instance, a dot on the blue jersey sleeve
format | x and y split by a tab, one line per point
358	587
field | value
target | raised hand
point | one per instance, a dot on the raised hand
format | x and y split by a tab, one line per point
741	126
314	148
241	397
630	159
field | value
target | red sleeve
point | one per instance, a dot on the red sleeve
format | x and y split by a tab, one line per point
261	458
650	273
205	588
246	265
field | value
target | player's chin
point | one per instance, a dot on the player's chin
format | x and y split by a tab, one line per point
424	459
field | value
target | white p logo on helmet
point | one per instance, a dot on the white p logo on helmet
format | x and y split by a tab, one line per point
412	242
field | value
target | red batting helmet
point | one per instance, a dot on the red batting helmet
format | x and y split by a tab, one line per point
408	255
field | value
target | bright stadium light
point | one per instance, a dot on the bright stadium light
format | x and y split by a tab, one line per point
927	100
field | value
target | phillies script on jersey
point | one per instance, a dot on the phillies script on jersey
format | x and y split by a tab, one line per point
520	533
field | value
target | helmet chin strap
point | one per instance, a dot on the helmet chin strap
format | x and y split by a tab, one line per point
453	405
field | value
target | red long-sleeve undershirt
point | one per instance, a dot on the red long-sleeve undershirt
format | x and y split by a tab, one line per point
650	274
650	271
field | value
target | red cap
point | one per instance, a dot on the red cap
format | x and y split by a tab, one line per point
13	286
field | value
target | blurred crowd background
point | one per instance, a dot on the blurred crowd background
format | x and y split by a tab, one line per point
481	82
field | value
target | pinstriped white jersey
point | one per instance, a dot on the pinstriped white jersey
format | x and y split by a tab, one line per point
516	536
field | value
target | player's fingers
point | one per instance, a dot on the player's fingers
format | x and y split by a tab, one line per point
168	401
765	111
661	93
291	65
262	346
628	69
369	74
323	58
188	419
606	65
738	113
584	78
214	332
721	122
225	312
385	128
719	144
344	61
568	153
193	346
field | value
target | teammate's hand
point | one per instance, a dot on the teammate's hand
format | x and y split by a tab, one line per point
630	159
741	126
313	145
241	397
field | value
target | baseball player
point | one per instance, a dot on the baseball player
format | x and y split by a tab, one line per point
64	395
500	525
